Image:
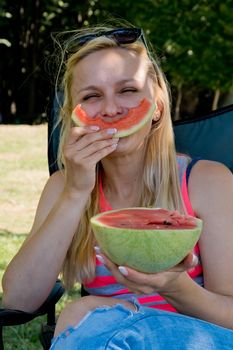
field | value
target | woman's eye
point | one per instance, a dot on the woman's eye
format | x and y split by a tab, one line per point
128	90
88	97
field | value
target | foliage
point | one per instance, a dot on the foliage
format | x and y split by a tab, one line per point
193	40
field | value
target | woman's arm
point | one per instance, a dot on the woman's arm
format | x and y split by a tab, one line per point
211	194
33	271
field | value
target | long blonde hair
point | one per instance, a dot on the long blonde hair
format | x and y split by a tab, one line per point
160	183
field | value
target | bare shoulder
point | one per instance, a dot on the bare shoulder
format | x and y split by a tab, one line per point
209	181
211	194
209	169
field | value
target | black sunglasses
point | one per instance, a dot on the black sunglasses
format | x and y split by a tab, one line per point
120	35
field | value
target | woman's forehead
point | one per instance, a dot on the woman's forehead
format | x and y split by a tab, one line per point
109	64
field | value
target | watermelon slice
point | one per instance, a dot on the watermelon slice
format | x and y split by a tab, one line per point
135	119
146	239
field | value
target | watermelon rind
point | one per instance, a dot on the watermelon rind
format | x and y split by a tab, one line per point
148	251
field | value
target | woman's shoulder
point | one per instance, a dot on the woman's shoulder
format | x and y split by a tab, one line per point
202	168
207	169
209	180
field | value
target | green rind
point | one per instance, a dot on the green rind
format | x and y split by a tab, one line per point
135	128
148	251
126	132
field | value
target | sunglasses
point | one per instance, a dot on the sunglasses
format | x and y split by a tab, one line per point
120	36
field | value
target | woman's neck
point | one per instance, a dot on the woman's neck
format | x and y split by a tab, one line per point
122	179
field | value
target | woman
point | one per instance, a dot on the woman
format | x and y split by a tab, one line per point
110	71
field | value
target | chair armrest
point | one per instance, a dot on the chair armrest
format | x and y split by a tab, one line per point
10	317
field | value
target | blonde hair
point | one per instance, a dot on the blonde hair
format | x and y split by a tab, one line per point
160	184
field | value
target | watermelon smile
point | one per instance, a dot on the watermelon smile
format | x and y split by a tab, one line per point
126	125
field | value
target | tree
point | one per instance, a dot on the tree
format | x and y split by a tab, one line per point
192	39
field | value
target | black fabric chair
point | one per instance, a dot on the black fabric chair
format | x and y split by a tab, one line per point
15	317
208	137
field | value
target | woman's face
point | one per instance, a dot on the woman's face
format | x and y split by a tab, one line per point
109	82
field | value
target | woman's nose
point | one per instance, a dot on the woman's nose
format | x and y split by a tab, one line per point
110	108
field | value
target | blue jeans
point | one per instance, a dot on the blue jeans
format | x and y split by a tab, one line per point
117	328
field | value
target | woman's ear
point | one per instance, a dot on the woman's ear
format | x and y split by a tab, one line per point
156	116
158	112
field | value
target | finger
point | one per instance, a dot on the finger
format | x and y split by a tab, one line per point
79	153
189	262
125	271
97	156
77	132
93	137
95	146
113	268
137	277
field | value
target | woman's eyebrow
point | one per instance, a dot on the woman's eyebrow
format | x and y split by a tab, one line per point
90	87
93	87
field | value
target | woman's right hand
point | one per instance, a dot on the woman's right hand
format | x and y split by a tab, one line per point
84	148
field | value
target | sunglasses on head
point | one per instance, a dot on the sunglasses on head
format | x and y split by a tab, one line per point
120	36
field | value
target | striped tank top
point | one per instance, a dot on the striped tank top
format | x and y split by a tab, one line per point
104	284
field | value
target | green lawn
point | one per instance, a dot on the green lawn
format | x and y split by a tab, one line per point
23	173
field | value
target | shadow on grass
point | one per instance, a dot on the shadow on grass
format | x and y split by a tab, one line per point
7	233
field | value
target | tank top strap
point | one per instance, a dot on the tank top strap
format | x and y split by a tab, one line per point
185	165
183	162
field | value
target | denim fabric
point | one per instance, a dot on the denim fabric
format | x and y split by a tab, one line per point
118	328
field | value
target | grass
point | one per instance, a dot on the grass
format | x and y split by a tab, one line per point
23	173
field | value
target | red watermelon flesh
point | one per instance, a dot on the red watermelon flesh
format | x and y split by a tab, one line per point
161	219
135	119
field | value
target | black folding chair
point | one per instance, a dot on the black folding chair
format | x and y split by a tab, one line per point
208	137
10	317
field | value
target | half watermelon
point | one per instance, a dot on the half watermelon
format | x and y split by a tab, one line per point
146	239
135	119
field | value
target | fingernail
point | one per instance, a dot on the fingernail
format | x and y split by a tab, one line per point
94	127
100	258
123	270
111	131
97	249
195	260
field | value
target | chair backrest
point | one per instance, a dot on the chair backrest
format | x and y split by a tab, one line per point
209	137
54	132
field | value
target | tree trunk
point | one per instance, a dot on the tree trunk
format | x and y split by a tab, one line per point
216	99
33	57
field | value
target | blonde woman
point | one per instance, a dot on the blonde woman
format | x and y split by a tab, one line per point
109	71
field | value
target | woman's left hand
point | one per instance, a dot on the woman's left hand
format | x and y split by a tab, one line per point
164	282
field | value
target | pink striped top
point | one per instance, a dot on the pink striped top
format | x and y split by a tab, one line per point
104	284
